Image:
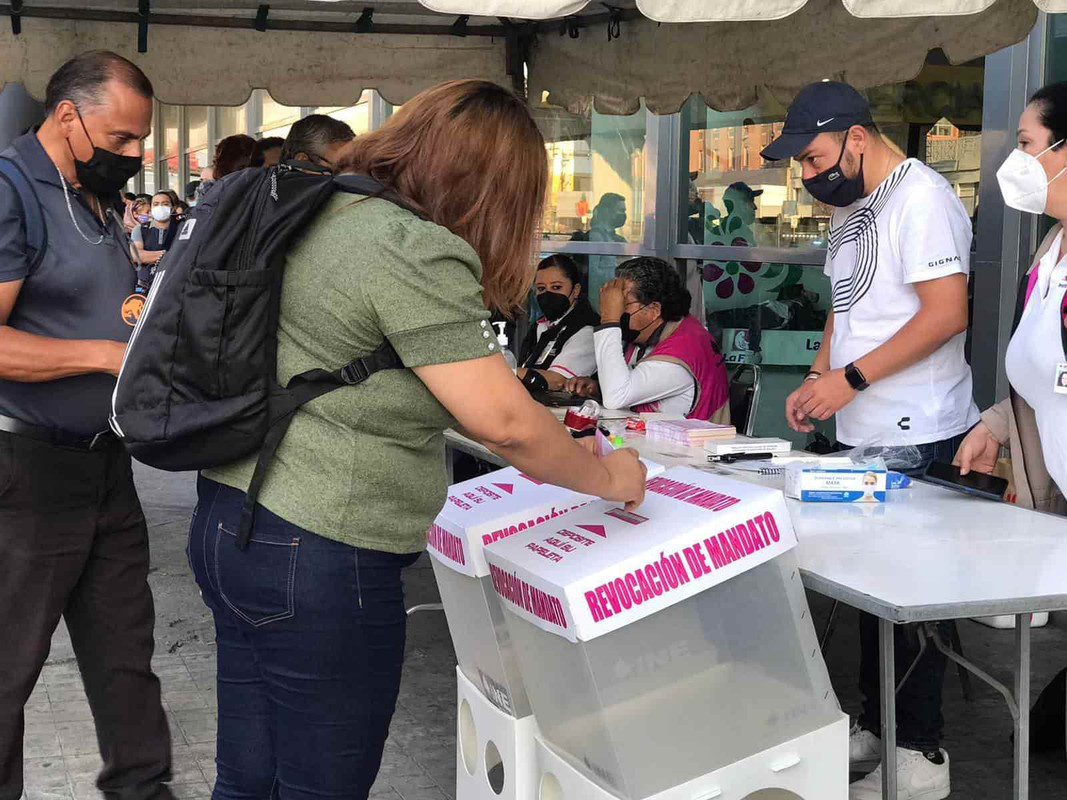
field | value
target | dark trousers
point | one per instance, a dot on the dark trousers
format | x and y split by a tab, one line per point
310	637
919	720
74	544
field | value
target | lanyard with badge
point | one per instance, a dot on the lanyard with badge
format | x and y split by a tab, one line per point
1059	381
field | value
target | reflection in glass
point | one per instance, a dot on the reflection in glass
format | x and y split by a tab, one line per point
357	116
274	116
196	124
170	130
596	183
198	162
736	198
231	120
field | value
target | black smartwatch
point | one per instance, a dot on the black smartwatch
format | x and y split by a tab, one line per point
855	377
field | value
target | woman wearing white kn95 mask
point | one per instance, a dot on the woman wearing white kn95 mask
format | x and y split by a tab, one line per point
1029	422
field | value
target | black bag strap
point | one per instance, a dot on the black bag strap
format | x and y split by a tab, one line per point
32	216
302	389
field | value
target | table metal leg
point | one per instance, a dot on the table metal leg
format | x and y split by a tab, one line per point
888	684
1022	698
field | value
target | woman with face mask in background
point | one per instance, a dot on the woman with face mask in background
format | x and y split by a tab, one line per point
1030	421
153	238
560	345
651	355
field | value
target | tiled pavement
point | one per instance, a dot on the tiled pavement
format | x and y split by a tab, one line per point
62	761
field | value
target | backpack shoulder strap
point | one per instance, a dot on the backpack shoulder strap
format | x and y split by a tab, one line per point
32	215
302	389
366	185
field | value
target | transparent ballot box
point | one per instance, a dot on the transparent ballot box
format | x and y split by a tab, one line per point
662	645
478	511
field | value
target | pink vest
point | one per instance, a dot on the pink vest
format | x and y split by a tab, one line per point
691	345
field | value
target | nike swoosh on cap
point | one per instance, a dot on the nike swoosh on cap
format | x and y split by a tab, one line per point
820	123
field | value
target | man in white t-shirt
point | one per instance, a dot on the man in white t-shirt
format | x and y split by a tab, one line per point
891	367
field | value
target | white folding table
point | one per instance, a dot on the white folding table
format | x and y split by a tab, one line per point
927	554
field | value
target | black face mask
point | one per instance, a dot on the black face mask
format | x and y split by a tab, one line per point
553	304
106	172
629	335
833	188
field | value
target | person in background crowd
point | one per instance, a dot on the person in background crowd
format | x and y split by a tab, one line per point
891	366
73	538
128	197
307	688
180	210
152	239
317	138
1030	420
268	152
651	355
560	345
136	212
190	192
232	154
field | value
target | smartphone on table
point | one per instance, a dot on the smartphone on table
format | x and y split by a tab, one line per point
975	483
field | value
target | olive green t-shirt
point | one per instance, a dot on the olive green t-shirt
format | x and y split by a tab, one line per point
365	464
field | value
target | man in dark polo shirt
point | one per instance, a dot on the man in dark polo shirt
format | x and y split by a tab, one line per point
73	539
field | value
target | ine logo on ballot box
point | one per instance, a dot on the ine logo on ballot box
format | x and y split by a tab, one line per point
601	568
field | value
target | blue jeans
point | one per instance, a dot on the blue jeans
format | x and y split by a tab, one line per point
919	720
310	636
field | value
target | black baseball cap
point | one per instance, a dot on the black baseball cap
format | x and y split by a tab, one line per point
818	108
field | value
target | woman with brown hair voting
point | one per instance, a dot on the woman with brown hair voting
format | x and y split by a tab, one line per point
310	617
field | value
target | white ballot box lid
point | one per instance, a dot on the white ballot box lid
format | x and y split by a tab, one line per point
601	568
489	508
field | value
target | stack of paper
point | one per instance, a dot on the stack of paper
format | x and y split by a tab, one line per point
688	432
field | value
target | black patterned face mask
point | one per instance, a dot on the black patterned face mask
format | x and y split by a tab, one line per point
833	188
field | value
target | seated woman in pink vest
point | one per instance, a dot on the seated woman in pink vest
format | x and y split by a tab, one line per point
651	354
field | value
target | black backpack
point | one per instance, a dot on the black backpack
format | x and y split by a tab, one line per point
198	385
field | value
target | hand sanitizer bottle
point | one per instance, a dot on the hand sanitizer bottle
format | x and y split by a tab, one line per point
502	340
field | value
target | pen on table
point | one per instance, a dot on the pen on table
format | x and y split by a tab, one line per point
729	459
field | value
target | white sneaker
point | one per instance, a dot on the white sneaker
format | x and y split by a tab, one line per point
918	778
864	749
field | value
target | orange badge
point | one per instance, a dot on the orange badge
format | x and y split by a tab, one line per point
131	309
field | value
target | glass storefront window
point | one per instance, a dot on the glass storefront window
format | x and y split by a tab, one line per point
148	157
196	127
596	175
738	199
596	183
275	119
231	120
357	116
198	161
170	130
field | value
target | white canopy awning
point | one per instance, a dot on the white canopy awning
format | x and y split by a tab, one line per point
607	54
731	64
721	10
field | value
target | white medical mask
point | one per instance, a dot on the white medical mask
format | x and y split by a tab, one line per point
1023	183
160	213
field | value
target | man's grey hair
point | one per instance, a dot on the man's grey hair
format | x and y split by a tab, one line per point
313	133
82	80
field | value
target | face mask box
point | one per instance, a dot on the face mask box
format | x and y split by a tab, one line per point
682	625
479	511
858	483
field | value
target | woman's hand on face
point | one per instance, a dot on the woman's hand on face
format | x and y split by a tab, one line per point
978	451
583	387
626	478
612	300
